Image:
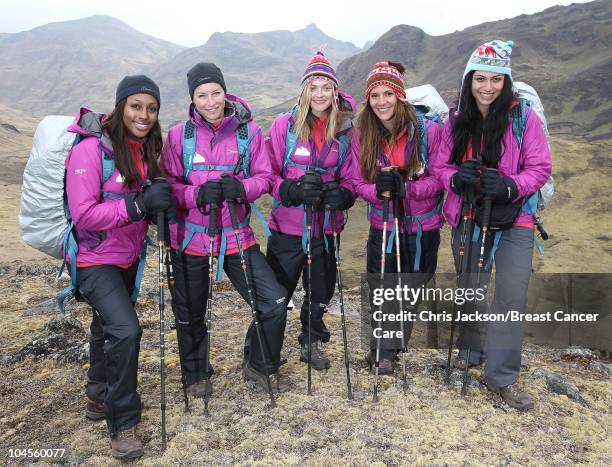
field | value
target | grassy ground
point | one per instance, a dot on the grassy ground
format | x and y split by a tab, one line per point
431	423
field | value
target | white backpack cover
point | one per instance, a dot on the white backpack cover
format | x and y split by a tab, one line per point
524	91
42	219
426	95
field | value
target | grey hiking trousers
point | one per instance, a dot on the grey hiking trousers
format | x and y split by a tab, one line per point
497	341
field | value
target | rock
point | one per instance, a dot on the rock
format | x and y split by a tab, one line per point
8	126
76	354
438	370
42	346
359	394
64	323
600	366
574	353
41	308
36	270
559	386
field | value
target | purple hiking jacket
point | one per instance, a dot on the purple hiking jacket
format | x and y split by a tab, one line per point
215	147
104	232
290	220
422	194
529	169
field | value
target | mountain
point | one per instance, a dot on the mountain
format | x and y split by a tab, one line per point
264	68
564	52
57	67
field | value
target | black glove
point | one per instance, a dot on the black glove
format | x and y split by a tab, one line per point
336	197
209	193
232	188
307	190
496	187
468	174
150	199
390	181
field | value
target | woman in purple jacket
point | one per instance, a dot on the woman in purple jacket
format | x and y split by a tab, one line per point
480	158
110	219
390	136
218	171
308	148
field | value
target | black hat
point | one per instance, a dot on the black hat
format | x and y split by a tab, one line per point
136	84
203	73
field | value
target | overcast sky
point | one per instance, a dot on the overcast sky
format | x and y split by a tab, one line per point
190	22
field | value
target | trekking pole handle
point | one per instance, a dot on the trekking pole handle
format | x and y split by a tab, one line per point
161	226
391	168
231	205
385	211
488	203
332	214
212	222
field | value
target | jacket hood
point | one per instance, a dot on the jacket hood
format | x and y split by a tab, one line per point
89	123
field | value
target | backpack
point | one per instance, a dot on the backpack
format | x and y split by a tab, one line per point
243	141
530	101
44	217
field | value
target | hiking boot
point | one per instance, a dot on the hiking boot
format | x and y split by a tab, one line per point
318	360
202	388
94	410
514	396
125	445
385	365
258	380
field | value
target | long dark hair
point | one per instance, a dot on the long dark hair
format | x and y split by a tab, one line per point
372	133
118	133
468	122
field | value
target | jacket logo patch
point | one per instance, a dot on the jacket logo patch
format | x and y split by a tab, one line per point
302	151
198	158
119	178
79	171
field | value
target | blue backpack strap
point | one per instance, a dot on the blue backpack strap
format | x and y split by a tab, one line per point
189	144
193	228
71	249
496	239
423	144
519	121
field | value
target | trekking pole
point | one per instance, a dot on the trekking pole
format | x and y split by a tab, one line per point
170	282
466	232
398	262
162	344
385	214
349	392
309	292
486	218
212	232
231	204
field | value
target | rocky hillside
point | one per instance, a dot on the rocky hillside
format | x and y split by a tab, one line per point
264	68
564	52
58	67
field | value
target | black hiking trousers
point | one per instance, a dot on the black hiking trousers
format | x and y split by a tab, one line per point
430	242
288	260
191	277
114	343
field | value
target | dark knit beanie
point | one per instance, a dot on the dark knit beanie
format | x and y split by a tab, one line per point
203	73
137	84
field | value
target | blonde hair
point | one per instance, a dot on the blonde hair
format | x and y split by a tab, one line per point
304	118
